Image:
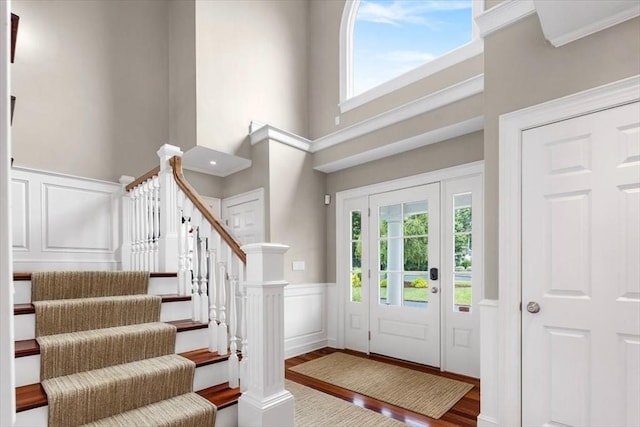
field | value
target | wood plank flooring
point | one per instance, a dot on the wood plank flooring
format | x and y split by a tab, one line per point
464	413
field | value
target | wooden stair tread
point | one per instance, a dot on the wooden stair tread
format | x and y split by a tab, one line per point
22	276
33	396
28	308
30	347
221	395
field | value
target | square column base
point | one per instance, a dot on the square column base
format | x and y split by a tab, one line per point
275	411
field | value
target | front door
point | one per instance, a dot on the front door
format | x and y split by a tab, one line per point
580	270
404	297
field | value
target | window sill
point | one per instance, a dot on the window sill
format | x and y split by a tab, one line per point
454	57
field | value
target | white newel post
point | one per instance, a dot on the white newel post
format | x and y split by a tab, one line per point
265	402
168	242
125	224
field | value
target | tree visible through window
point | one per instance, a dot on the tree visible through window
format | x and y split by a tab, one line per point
393	37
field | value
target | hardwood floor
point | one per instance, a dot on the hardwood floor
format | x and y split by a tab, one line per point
463	413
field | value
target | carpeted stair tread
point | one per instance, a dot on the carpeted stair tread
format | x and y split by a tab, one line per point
82	314
187	410
69	353
92	395
55	285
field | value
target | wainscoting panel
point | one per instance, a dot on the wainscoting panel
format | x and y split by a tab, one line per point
305	318
20	214
488	363
62	222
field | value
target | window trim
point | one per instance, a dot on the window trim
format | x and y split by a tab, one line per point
348	101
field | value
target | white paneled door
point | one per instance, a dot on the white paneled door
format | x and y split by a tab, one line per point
580	271
244	215
404	284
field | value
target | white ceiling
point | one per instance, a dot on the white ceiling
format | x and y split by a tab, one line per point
199	159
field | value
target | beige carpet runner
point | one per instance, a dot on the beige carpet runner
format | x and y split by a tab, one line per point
106	359
416	391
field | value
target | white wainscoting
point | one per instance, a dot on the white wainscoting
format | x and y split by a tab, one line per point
305	318
62	222
488	363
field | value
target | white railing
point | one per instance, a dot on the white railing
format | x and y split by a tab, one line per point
167	227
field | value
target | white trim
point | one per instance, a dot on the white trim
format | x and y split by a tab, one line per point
427	138
346	47
487	421
503	15
224	174
594	27
460	54
396	184
446	96
510	170
7	368
116	185
268	132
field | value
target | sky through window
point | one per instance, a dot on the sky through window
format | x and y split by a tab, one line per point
393	37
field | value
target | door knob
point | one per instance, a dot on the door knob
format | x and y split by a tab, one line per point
533	307
434	290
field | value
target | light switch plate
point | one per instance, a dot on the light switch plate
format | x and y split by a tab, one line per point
298	266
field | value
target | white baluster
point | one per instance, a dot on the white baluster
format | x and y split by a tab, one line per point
182	245
244	344
195	294
213	324
138	191
222	326
145	227
149	187
134	229
204	278
156	221
233	346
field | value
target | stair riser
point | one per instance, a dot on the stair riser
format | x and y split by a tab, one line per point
24	324
192	340
157	286
38	417
28	372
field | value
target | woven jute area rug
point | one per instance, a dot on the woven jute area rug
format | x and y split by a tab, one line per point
416	391
314	409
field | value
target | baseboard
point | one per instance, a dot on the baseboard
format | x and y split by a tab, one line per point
487	421
292	351
332	342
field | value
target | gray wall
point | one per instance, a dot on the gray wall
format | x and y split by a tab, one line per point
91	84
522	69
453	152
251	64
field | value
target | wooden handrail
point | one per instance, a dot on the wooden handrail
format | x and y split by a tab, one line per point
153	172
192	194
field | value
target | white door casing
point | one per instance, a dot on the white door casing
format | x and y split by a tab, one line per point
399	328
244	215
512	126
350	331
581	252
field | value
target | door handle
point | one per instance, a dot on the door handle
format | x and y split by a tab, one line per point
434	290
533	307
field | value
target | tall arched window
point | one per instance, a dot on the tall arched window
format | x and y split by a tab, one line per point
386	40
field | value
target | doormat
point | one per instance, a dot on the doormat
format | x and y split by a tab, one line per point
416	391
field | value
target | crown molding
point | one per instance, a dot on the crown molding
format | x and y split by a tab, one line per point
431	137
261	132
449	95
503	15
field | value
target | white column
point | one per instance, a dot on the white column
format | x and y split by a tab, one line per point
126	219
168	244
266	402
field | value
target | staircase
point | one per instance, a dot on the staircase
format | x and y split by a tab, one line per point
211	370
224	307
